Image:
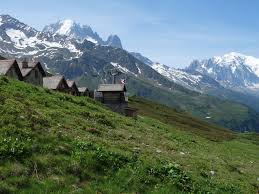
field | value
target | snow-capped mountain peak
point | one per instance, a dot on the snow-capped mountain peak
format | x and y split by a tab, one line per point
232	70
19	39
236	60
66	26
74	30
57	41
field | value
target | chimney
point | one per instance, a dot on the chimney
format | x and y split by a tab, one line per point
24	63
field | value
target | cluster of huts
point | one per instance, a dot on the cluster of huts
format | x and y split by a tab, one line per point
33	73
112	95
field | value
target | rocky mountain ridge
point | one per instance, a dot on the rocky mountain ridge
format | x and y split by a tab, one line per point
74	30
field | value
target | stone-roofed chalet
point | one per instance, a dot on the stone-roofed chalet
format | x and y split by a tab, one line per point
73	90
83	91
11	69
56	82
32	72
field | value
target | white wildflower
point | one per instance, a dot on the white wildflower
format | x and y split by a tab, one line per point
212	172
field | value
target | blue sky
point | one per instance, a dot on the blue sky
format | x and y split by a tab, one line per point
173	32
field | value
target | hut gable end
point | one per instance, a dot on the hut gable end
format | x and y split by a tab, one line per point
56	83
10	68
83	91
73	90
32	72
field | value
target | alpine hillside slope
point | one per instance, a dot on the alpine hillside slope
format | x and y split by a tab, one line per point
91	63
56	143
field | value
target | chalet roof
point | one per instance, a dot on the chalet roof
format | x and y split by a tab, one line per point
53	81
82	89
112	88
70	83
5	65
31	66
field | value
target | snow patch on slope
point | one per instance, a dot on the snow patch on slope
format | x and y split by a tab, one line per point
139	70
17	37
90	39
178	76
175	74
120	67
21	41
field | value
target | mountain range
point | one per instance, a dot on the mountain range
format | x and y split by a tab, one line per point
79	53
80	32
234	71
231	76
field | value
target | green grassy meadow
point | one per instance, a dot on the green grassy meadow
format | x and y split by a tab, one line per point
56	143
